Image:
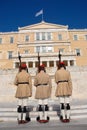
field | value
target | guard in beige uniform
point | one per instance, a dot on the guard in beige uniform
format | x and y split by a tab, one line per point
24	90
63	91
43	92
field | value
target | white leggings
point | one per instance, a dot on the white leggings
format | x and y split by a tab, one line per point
64	99
43	101
22	101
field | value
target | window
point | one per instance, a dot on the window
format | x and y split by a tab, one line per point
0	54
85	37
10	54
61	50
26	51
26	38
43	36
11	39
0	40
59	36
48	36
51	63
78	52
37	49
71	62
65	62
75	37
57	63
17	65
30	64
50	48
44	63
37	36
43	48
36	64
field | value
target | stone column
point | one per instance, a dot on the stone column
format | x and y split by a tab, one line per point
68	63
34	64
40	62
47	63
27	64
13	65
54	63
74	62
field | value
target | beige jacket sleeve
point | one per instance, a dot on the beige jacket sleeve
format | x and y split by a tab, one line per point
70	81
50	82
30	83
35	81
16	81
56	77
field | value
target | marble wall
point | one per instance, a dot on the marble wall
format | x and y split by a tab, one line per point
78	75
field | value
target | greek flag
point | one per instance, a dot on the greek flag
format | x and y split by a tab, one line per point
39	13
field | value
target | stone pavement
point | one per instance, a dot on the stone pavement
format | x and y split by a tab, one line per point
78	118
77	124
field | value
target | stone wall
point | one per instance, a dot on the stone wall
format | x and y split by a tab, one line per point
78	75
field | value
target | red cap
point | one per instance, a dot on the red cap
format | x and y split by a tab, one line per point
42	65
62	63
23	66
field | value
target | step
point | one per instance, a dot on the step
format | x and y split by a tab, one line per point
10	114
51	118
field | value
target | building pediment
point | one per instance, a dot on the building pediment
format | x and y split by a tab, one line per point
43	25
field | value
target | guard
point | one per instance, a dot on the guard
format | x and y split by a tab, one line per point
63	91
43	92
24	90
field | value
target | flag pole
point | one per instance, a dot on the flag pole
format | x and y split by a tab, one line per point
42	15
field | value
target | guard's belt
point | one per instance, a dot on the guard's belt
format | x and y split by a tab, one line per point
62	81
23	82
42	84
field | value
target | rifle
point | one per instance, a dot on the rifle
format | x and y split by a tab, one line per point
39	64
19	57
59	55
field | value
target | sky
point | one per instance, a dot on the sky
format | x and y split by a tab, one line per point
20	13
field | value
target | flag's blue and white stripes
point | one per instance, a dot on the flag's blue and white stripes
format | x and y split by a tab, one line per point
39	13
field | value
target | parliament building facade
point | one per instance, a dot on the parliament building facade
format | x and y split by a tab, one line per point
46	38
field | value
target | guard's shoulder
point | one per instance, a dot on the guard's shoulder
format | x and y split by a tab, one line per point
48	75
68	71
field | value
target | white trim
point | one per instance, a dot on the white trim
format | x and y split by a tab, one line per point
47	59
78	30
42	30
44	23
44	44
